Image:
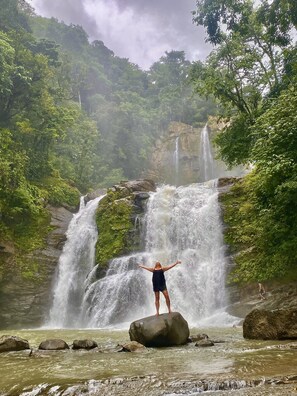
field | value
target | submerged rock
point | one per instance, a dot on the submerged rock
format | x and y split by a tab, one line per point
13	343
84	344
160	331
53	345
198	337
133	346
262	324
204	343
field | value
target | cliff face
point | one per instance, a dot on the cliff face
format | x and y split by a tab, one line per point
163	167
180	157
25	294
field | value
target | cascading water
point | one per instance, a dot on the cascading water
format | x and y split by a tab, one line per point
181	223
76	261
176	160
206	158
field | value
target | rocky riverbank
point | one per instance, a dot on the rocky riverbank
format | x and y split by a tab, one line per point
245	298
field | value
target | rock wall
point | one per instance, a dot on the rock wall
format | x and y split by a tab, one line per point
24	297
162	165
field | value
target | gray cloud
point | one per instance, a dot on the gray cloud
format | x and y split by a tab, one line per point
141	30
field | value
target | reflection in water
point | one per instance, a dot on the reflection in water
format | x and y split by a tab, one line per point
158	371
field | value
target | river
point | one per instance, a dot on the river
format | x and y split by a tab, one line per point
163	371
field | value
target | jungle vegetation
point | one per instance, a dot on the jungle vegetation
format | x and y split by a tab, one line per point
75	117
252	74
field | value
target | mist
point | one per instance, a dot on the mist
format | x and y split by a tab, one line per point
135	29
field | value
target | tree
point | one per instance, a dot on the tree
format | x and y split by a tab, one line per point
253	43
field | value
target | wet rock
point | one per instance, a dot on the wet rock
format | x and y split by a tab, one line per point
53	345
24	300
271	325
84	344
13	343
204	343
138	185
160	331
133	346
226	181
198	337
94	194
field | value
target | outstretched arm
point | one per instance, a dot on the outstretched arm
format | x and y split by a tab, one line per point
171	266
146	268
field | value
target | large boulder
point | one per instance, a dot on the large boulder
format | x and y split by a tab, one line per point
279	324
12	343
53	345
160	331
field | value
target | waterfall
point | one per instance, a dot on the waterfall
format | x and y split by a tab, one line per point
206	158
181	223
176	160
76	261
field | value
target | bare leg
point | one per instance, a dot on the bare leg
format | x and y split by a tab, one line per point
166	295
157	302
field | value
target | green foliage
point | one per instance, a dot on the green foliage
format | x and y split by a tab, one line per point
130	107
59	192
252	74
246	70
236	141
114	222
261	211
13	15
74	117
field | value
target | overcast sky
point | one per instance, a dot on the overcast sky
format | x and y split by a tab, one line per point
141	30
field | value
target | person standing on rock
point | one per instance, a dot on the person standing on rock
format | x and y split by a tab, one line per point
159	282
262	291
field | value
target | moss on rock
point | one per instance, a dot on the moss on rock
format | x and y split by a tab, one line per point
114	222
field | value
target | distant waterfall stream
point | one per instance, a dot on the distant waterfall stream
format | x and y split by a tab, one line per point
176	160
206	158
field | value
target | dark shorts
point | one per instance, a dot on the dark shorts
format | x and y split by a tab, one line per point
159	288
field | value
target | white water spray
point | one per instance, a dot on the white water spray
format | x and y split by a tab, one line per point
206	158
176	160
76	261
181	223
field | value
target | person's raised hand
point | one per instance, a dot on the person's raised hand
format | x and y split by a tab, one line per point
178	262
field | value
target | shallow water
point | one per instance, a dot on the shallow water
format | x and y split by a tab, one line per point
175	370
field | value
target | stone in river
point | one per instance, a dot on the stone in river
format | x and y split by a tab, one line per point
13	343
204	343
84	344
53	345
160	331
133	346
280	324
